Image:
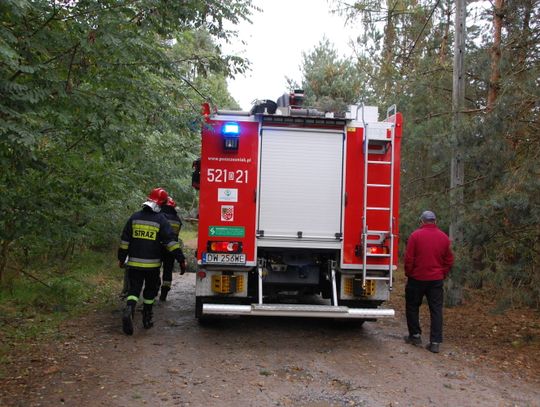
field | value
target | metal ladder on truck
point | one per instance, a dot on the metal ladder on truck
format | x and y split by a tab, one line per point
378	142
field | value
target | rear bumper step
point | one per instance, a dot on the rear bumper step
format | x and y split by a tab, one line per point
293	310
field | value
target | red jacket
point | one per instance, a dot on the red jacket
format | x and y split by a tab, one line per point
428	256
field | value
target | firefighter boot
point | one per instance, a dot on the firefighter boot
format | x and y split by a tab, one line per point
127	318
164	291
147	316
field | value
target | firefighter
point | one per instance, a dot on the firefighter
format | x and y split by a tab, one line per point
196	176
169	210
145	233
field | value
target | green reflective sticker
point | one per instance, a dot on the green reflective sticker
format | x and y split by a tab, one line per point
232	231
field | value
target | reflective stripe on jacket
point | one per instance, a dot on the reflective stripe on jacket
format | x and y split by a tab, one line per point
173	218
143	237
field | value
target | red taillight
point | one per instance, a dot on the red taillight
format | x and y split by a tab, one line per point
378	250
224	247
201	274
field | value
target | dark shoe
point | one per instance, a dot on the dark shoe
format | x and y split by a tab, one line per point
127	319
415	340
147	315
164	292
433	347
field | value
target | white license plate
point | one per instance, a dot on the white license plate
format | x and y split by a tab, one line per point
223	258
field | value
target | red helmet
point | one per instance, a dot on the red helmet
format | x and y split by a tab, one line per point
158	195
171	202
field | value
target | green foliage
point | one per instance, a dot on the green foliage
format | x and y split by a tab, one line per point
100	103
44	296
405	54
329	82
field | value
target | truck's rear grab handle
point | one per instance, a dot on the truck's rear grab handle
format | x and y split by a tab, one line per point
294	310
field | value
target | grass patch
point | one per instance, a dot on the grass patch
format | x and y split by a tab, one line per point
32	309
188	232
188	236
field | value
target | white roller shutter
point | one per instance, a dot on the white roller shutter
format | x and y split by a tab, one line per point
300	184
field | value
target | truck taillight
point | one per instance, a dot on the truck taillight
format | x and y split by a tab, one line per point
224	247
378	250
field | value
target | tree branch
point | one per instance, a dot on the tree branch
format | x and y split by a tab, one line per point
68	86
206	98
445	170
46	23
20	270
431	115
407	58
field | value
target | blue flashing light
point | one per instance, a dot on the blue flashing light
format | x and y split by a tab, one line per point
231	129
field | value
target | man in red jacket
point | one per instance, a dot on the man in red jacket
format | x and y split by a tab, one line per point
428	261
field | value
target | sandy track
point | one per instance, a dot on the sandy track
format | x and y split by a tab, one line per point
251	362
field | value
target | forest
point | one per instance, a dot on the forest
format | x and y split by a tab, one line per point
101	103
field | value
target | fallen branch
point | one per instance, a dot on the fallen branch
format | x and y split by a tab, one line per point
27	274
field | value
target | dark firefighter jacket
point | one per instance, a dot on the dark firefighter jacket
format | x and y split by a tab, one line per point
172	217
143	237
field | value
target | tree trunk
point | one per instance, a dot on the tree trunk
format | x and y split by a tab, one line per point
4	250
454	294
444	41
388	46
457	165
524	37
495	76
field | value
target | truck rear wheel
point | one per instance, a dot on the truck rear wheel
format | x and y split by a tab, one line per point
201	318
198	307
344	323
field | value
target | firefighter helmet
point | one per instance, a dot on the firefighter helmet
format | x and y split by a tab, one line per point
171	202
158	195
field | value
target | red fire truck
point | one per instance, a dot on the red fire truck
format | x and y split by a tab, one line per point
298	212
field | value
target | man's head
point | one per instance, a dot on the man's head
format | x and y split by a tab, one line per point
428	217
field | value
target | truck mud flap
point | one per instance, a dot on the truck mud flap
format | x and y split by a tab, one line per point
294	310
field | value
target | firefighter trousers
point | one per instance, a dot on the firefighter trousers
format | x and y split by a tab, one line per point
168	265
415	291
149	278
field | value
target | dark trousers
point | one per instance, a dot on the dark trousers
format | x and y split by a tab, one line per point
414	293
139	277
168	265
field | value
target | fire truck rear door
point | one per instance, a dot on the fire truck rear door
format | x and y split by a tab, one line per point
300	187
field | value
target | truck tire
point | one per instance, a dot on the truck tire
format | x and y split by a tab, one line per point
202	319
198	307
353	323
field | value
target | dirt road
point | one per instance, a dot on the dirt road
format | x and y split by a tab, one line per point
251	362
